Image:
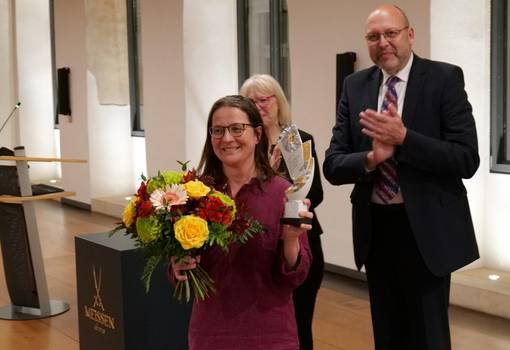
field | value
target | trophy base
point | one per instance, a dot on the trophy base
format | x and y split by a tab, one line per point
291	214
295	221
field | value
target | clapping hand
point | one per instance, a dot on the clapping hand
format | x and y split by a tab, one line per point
386	130
386	127
276	158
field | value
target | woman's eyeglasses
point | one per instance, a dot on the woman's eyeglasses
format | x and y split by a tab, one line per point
262	101
236	130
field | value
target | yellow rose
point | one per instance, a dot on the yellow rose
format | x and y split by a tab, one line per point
196	189
129	213
191	231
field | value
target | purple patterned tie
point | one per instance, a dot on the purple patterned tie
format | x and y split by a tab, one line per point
386	180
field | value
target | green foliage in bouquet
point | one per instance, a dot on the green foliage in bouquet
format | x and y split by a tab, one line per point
179	214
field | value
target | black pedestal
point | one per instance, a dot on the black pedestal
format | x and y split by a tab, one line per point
114	312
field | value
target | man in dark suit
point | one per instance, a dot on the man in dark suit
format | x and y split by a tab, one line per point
405	136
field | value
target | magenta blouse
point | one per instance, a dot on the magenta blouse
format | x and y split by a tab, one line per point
252	308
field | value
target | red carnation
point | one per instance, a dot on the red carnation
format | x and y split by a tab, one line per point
145	209
239	225
241	222
142	192
191	175
212	209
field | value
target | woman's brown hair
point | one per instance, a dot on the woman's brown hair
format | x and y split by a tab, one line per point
210	164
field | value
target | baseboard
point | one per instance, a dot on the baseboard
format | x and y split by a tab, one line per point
112	206
345	271
75	203
470	289
473	289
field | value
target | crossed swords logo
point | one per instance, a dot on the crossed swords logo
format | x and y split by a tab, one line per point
98	302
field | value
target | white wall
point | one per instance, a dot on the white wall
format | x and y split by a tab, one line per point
163	83
109	121
460	34
99	133
186	67
9	137
210	64
317	32
110	146
35	84
70	51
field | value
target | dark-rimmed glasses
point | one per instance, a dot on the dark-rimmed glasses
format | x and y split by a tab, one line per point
235	129
388	35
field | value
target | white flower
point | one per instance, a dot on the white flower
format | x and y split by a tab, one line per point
172	195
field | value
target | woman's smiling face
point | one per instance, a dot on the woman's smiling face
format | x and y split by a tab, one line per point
232	150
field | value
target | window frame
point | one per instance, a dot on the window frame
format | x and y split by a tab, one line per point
275	42
137	130
500	79
54	80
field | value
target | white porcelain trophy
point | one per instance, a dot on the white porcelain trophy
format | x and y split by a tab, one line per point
300	165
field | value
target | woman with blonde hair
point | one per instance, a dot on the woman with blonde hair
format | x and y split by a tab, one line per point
274	109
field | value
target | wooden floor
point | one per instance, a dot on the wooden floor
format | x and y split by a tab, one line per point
342	319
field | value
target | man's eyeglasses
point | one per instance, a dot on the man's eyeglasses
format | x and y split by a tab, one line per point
235	130
262	101
388	35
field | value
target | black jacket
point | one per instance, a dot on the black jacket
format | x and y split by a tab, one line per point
440	149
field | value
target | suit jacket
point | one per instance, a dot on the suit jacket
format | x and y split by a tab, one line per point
440	149
315	195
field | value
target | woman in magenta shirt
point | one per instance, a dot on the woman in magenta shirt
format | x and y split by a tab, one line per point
253	307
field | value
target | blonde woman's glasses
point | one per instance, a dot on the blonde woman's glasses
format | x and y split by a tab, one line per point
262	101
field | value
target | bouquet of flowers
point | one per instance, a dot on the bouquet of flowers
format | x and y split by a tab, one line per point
180	214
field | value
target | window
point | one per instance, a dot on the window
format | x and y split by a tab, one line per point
500	78
263	45
53	64
135	64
